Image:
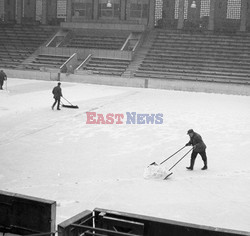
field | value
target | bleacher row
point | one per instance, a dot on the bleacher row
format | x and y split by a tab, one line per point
17	43
45	61
98	39
107	66
203	57
172	55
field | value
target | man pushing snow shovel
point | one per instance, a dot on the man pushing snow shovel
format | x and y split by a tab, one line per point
158	171
198	147
57	92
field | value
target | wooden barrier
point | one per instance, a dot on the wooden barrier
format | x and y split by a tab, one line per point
25	215
113	223
65	228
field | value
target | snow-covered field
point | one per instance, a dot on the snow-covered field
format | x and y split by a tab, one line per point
56	155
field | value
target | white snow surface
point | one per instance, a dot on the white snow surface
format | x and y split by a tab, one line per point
56	155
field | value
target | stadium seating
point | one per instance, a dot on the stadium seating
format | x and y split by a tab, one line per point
106	66
196	56
46	61
18	42
97	39
177	55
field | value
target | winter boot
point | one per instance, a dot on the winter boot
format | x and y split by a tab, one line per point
205	165
191	164
204	168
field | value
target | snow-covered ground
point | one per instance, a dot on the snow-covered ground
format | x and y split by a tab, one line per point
56	155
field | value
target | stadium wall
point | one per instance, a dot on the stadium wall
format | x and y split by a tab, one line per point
192	86
83	53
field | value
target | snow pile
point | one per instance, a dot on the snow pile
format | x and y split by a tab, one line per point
156	172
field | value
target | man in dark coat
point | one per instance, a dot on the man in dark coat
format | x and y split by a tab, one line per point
198	147
57	91
3	77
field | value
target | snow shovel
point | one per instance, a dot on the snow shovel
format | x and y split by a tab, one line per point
69	106
154	163
170	173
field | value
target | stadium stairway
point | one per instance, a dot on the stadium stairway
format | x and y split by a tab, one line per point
196	56
139	55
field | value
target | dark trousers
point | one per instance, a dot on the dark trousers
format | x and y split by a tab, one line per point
194	155
1	84
57	101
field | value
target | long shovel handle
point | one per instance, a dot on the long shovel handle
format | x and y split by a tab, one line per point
181	159
172	155
67	101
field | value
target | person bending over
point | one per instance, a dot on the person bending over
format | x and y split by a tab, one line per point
199	147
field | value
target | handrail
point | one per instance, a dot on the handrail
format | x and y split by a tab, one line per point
67	61
86	59
51	40
136	45
128	38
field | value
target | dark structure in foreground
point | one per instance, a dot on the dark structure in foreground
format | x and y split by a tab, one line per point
113	223
25	215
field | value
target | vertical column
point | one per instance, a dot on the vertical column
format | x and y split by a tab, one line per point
243	15
151	17
69	11
44	11
198	11
211	15
95	9
168	8
33	10
19	11
165	12
181	14
170	13
52	12
123	9
2	10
